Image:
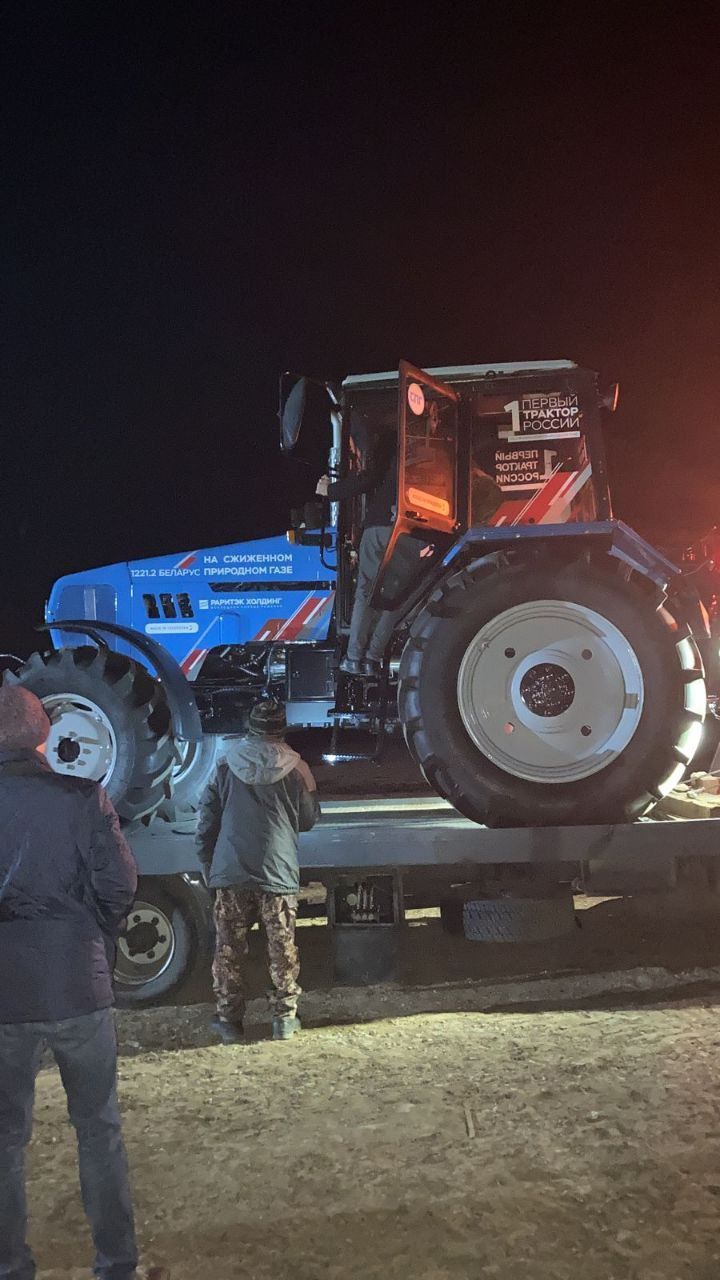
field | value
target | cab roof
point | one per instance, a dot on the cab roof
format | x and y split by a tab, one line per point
466	372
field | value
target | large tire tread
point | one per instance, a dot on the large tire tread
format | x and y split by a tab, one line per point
86	670
187	789
489	799
518	919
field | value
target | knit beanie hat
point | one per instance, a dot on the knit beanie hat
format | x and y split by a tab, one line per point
23	722
267	719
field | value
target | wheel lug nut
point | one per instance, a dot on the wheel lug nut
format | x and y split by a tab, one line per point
586	731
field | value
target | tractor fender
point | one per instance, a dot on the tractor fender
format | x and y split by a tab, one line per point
177	688
617	540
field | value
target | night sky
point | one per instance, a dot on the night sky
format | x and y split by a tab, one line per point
196	196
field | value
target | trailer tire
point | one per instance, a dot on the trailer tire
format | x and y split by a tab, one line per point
554	650
110	723
518	919
167	941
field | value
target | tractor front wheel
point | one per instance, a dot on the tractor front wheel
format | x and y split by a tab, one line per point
110	723
194	765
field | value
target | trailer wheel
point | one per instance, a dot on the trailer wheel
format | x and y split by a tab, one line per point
194	764
165	943
518	919
550	694
110	723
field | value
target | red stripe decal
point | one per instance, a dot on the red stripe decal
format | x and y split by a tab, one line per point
532	511
269	629
192	659
294	625
289	628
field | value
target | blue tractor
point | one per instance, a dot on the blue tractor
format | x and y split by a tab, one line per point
545	665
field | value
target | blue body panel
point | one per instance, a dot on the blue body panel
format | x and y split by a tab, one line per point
195	601
269	590
621	541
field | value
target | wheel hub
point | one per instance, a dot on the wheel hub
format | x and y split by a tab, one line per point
68	750
82	740
550	691
144	938
146	948
547	689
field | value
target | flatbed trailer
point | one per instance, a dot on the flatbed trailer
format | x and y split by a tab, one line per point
375	856
357	836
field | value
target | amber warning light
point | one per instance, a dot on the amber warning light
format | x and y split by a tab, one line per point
419	498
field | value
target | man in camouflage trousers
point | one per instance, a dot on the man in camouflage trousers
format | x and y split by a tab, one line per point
236	911
261	796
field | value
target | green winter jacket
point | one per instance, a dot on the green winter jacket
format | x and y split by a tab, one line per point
260	797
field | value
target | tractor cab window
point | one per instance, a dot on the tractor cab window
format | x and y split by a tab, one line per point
429	463
372	416
532	443
372	422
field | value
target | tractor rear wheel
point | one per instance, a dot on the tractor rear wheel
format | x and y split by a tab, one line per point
110	722
550	694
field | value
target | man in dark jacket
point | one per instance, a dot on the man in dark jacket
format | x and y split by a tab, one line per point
371	629
67	880
261	795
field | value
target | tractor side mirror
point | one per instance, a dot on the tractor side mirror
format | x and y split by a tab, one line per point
609	400
291	413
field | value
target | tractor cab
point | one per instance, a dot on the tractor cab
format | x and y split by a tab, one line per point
479	447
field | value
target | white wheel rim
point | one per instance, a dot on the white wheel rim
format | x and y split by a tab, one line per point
82	741
147	947
550	691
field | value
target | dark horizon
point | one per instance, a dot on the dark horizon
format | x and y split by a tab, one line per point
197	199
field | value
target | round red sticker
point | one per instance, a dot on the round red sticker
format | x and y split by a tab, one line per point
416	398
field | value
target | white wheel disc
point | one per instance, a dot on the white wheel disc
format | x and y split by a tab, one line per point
81	741
550	691
147	947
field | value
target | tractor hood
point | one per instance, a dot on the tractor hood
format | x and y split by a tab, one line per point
192	602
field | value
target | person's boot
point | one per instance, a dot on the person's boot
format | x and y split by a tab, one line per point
351	667
229	1032
285	1028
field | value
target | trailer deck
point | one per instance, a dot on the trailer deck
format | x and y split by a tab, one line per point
360	836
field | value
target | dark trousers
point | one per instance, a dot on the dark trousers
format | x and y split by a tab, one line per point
371	629
85	1050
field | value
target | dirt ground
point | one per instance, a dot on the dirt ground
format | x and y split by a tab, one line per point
555	1114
